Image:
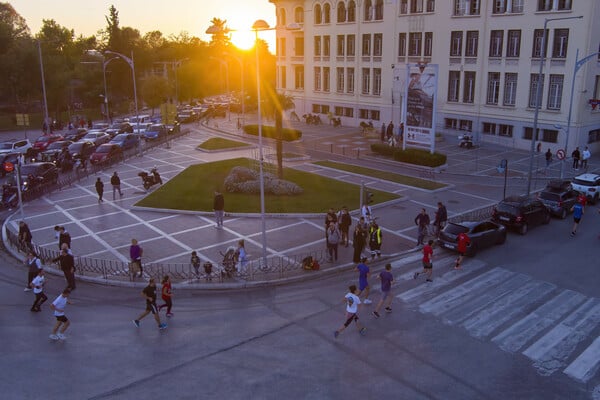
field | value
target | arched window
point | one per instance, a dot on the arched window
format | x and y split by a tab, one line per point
341	12
379	10
282	18
351	11
327	13
318	15
367	10
299	15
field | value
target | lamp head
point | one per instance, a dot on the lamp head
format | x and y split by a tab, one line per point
260	25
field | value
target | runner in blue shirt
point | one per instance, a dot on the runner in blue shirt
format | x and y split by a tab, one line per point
578	211
386	278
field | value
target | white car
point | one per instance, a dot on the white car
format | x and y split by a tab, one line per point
17	146
588	184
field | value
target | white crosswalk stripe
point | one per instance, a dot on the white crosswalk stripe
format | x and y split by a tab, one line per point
516	312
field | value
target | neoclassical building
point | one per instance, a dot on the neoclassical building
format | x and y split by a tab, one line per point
345	56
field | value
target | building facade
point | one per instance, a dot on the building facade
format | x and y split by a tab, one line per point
344	58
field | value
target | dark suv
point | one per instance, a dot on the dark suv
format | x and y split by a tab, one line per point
521	212
558	197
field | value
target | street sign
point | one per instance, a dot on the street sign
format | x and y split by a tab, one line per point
9	167
560	154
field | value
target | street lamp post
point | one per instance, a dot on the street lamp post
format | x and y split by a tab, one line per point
538	95
176	65
46	119
137	113
104	64
578	64
242	82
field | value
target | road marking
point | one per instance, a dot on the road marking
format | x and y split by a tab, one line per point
586	365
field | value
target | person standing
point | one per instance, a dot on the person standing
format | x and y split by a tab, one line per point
135	254
63	237
386	279
366	212
390	131
352	302
345	220
422	221
38	289
427	262
576	156
25	237
34	265
441	217
166	295
149	293
67	265
358	242
585	156
333	240
100	190
462	243
375	236
548	158
219	208
577	211
383	132
195	261
58	305
115	181
242	256
363	279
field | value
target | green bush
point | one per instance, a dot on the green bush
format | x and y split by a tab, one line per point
410	156
289	135
383	149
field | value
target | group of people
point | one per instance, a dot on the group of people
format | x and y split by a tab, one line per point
580	159
115	181
423	222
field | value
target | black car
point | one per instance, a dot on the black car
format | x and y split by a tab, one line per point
75	134
53	150
482	234
119	127
82	149
521	213
36	174
558	197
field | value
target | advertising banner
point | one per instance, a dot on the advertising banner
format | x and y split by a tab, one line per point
420	105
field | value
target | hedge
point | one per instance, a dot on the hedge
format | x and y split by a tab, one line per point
289	135
410	156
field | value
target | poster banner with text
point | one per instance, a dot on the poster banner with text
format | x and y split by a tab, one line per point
420	105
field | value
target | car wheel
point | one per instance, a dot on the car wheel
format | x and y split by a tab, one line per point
563	213
523	229
547	218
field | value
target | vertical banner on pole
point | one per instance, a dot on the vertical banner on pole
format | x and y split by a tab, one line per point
420	105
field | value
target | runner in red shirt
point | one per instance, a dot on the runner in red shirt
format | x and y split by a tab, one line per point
463	242
427	262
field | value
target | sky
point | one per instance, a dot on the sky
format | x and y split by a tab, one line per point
86	17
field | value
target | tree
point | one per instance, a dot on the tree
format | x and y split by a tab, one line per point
155	91
276	104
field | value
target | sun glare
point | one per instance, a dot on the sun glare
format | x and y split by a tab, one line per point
243	40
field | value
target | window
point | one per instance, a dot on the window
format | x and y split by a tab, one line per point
317	46
351	11
282	45
544	5
510	89
456	38
533	87
283	80
377	81
427	51
450	123
349	112
402	44
326	46
317	78
299	77
378	44
594	136
555	92
341	12
326	79
327	13
299	46
282	19
466	125
563	5
472	43
561	39
469	87
366	81
549	135
374	115
499	7
466	7
350	79
538	38
489	128
597	87
414	45
453	86
493	88
513	45
517	6
341	41
299	15
416	6
378	10
430	5
403	6
505	130
368	10
350	45
316	108
366	44
318	14
340	80
496	38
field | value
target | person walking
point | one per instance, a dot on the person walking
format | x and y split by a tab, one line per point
462	243
100	190
366	212
345	220
548	158
441	217
422	221
358	242
63	236
219	208
242	256
58	306
386	279
363	279
577	210
34	265
427	262
352	302
576	157
135	254
195	261
375	237
333	240
67	265
166	295
115	181
25	237
585	156
389	131
37	284
149	293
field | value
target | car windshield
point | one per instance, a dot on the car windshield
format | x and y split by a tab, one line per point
582	182
455	229
550	196
6	146
507	208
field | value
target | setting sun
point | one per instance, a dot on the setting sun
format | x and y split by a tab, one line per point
243	39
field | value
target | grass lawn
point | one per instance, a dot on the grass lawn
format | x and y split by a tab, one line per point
221	144
193	189
388	176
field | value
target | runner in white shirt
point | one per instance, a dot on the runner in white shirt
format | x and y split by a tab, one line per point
38	289
59	305
352	302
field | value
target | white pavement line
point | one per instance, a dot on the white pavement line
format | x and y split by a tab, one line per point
585	366
506	308
104	215
472	195
424	204
464	292
118	228
552	350
415	294
519	334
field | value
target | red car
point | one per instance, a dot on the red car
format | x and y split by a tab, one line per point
44	141
106	152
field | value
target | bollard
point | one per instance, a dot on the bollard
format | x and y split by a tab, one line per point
357	153
331	148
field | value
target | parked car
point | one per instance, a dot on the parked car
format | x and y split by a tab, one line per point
185	117
97	137
126	140
119	127
12	158
589	185
100	126
82	148
482	234
173	128
53	150
35	174
75	134
44	141
558	197
521	213
17	146
153	132
106	152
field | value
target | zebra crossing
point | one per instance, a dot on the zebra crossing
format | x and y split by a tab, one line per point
553	327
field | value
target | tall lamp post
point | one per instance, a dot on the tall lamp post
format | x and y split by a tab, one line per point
46	119
131	64
238	59
538	95
578	64
104	64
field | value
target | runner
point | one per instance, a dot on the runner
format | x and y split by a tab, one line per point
463	240
363	279
427	262
577	211
167	295
352	302
58	305
149	293
38	289
386	279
